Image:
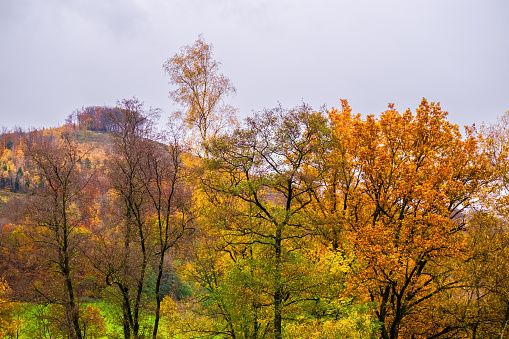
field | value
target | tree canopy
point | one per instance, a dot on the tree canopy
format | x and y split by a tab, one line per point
293	223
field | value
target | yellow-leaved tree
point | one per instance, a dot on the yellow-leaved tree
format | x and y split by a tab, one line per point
200	89
264	270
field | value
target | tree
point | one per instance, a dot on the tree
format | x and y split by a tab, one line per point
163	174
201	88
146	179
257	186
494	139
94	118
129	247
54	218
485	292
8	324
401	185
483	301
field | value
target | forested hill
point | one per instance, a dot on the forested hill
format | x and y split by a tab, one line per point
17	173
89	125
22	178
67	195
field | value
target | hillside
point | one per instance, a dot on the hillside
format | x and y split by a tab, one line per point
16	173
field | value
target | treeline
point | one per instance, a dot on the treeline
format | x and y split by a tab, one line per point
294	223
16	174
95	118
13	171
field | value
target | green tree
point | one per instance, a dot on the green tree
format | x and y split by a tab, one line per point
257	186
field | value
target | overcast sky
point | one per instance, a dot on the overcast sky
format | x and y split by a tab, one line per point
60	55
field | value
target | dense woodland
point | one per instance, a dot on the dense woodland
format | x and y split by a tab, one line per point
293	223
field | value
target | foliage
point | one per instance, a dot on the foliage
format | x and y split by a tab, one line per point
201	89
404	182
295	224
55	219
9	321
94	325
260	259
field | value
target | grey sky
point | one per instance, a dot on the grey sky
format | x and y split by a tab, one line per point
59	55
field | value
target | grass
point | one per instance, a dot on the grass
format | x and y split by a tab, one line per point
96	139
45	321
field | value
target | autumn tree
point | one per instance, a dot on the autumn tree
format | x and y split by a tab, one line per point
127	247
482	303
259	181
399	192
163	175
485	292
94	118
54	218
200	88
148	211
494	140
13	174
9	325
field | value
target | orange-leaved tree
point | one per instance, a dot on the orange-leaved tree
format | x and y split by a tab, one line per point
396	194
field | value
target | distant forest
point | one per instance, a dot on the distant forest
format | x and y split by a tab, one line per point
93	118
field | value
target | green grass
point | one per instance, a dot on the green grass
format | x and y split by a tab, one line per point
93	138
40	321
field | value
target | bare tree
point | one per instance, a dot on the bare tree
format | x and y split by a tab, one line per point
162	173
54	217
128	273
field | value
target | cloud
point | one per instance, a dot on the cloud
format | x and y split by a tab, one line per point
59	55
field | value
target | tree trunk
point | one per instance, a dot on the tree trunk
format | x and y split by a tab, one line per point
66	271
137	305
158	294
506	320
278	293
